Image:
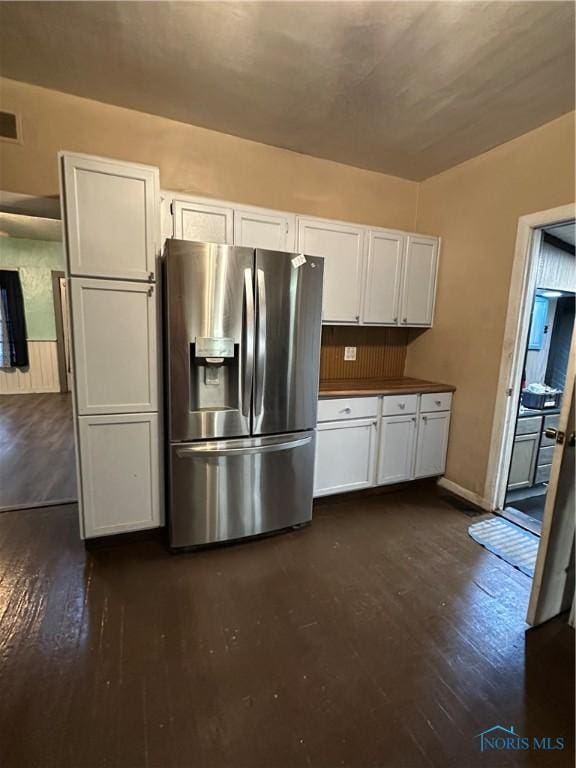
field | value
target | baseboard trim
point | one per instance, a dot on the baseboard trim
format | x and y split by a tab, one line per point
464	493
33	391
38	505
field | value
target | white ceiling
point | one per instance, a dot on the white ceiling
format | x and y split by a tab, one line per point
406	88
30	227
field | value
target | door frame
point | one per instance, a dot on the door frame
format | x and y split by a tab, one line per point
522	287
60	330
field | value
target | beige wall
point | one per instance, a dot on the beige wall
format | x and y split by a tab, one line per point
192	160
475	208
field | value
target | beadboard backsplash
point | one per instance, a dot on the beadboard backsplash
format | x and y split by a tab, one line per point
380	352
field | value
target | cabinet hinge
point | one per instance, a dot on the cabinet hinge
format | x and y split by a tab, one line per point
509	392
172	208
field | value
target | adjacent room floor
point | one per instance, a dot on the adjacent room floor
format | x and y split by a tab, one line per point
381	635
36	450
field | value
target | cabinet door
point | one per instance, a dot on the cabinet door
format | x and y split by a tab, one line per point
419	283
203	222
343	250
270	230
383	280
523	463
114	343
112	216
344	456
396	450
432	443
119	456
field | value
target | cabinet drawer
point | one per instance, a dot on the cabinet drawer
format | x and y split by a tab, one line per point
436	401
529	426
545	455
347	408
543	474
396	405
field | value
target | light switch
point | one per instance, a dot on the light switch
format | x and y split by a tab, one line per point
349	353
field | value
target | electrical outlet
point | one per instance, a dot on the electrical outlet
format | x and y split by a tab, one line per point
349	353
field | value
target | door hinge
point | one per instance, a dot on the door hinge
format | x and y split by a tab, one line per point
509	392
172	208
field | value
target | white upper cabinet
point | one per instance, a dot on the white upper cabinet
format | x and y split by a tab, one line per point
114	343
271	230
419	284
112	217
120	461
342	247
204	222
383	280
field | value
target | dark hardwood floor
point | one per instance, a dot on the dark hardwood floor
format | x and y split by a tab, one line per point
381	635
36	450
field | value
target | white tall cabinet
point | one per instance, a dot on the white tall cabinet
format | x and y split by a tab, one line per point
112	224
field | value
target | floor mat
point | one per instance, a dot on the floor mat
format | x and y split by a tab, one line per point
508	542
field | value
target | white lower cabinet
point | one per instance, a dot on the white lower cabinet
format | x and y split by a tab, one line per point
120	463
345	455
408	440
396	449
432	444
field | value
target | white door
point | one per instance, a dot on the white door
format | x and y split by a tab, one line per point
419	283
396	450
523	462
383	280
343	250
120	473
344	456
203	222
112	217
272	230
114	343
432	443
553	584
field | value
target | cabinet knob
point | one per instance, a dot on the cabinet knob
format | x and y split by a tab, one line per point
395	320
438	402
347	409
404	319
413	418
424	418
401	406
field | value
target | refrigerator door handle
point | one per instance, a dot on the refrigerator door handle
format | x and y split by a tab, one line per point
195	451
248	351
260	343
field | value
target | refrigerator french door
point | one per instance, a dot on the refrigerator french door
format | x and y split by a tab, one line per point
243	333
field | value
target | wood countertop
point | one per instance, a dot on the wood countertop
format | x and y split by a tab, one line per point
397	386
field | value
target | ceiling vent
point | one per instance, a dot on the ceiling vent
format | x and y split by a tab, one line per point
10	127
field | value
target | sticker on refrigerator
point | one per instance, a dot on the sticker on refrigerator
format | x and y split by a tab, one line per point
297	261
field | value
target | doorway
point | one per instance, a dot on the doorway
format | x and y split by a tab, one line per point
542	377
37	455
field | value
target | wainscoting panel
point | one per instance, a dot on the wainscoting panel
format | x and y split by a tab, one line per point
380	352
40	376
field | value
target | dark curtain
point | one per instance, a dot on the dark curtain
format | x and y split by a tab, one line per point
13	305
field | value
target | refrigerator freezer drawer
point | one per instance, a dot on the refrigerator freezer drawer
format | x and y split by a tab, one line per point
229	489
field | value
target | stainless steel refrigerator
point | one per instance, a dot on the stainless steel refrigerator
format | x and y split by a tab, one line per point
243	330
